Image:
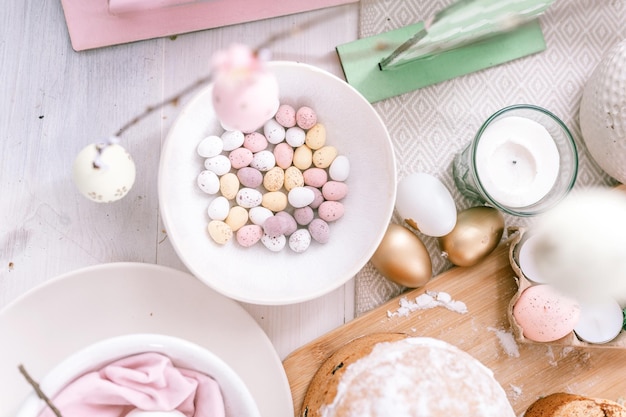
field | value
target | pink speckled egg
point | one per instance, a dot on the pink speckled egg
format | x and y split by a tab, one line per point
249	234
240	157
319	230
306	117
283	153
331	211
315	177
334	190
544	314
286	115
255	142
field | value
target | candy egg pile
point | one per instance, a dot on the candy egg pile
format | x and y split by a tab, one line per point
281	185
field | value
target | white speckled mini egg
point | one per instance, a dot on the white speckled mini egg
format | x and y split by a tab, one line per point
210	146
232	139
220	164
104	173
218	208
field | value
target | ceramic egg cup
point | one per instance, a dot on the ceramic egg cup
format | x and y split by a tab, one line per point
516	237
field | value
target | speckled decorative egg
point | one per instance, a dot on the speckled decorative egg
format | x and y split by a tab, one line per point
544	314
603	113
104	172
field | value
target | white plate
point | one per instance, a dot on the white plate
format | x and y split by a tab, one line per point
74	310
256	275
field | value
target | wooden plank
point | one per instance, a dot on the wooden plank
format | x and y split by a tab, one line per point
486	289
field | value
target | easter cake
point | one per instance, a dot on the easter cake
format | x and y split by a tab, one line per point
392	374
562	404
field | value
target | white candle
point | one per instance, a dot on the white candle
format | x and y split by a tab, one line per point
526	260
599	322
517	161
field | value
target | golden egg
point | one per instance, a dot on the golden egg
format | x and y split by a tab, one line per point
477	232
403	258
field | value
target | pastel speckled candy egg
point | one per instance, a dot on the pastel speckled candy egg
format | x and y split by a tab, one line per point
334	190
109	181
263	161
208	182
319	230
218	208
544	314
237	218
330	211
274	132
255	141
250	177
240	157
295	136
220	232
316	136
275	244
232	139
220	164
300	197
259	214
283	153
286	115
210	146
315	177
300	240
306	117
290	223
324	156
275	201
304	215
274	179
293	178
229	185
249	197
249	234
339	170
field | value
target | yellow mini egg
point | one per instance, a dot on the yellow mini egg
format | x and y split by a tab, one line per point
403	258
425	204
477	232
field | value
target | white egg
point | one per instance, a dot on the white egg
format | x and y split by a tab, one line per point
104	172
340	168
218	208
426	204
143	413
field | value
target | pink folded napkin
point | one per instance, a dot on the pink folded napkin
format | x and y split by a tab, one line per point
148	381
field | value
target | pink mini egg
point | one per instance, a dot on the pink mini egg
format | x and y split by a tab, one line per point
290	222
240	157
283	153
306	117
286	115
255	141
334	190
315	177
319	198
330	211
319	230
249	234
275	226
544	314
303	215
250	177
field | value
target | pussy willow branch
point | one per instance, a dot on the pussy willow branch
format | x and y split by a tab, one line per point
38	391
263	46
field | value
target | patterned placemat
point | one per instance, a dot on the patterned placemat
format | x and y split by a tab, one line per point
429	126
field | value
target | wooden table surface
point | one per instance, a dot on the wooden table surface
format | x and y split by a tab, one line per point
525	371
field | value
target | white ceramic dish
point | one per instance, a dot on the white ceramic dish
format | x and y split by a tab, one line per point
77	309
238	402
256	275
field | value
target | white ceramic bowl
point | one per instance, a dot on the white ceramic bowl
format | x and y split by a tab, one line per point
257	275
238	401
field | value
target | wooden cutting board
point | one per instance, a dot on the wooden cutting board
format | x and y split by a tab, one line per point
486	289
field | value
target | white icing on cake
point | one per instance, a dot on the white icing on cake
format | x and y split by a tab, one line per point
418	377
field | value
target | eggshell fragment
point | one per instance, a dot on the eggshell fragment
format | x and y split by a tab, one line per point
544	314
425	204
